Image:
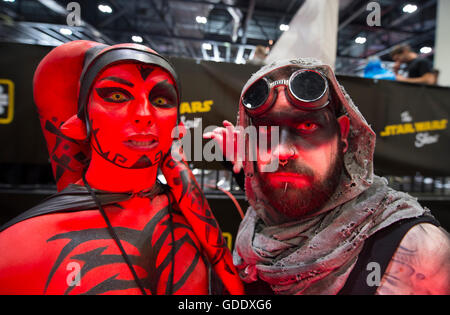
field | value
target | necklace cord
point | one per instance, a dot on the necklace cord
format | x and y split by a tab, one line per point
172	252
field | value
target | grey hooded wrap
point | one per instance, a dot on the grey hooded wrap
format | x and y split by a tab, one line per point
316	254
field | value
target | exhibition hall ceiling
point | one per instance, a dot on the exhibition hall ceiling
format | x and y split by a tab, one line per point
220	30
400	22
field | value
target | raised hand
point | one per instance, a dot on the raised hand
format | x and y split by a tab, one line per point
226	137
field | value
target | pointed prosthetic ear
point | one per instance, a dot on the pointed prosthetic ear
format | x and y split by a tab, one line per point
74	128
344	125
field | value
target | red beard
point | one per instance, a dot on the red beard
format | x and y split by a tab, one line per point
297	197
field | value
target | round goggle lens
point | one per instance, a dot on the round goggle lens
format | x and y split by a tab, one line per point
308	86
256	95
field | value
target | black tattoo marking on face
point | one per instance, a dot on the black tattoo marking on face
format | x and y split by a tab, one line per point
143	162
163	95
118	80
145	71
120	158
147	258
294	126
114	94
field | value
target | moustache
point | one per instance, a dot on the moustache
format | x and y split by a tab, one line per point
294	168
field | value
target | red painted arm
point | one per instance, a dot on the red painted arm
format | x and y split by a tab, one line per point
197	212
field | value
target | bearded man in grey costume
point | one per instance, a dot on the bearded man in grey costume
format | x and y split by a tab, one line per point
323	223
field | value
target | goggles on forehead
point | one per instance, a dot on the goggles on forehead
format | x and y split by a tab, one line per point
306	89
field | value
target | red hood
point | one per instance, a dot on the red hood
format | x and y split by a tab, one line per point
57	87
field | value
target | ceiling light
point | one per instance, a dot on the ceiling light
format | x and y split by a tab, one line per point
426	50
360	40
201	20
284	27
137	39
9	0
410	8
104	8
206	46
65	31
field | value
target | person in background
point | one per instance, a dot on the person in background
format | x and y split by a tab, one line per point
420	70
261	53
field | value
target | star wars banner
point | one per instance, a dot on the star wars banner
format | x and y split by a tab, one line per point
411	121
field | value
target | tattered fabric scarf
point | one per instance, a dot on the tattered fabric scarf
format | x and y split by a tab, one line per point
316	255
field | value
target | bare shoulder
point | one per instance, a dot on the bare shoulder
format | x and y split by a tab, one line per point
23	252
20	239
28	240
421	264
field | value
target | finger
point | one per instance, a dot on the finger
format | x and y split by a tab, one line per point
226	123
220	131
237	167
208	135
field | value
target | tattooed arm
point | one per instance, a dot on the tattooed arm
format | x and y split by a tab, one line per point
197	212
421	264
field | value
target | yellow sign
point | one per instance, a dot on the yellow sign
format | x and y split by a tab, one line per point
228	238
6	101
408	128
195	107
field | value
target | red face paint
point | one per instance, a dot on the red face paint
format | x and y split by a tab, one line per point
132	112
309	153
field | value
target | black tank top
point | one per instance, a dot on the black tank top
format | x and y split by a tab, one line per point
379	248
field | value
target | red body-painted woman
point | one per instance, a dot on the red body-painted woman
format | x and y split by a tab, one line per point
107	113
